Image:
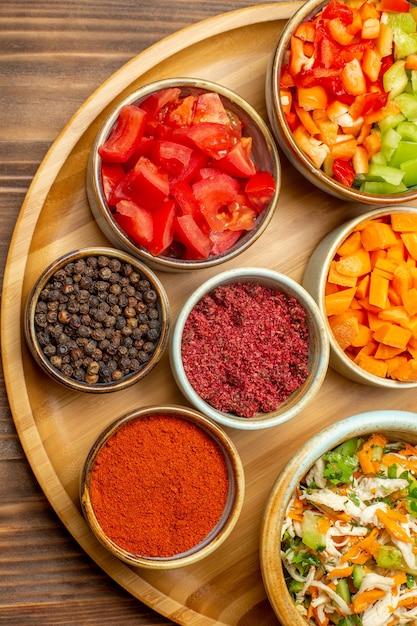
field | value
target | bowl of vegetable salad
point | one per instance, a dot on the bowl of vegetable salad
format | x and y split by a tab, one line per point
338	541
184	174
341	94
363	277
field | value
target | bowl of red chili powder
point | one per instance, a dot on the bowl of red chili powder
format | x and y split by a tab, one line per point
249	348
162	487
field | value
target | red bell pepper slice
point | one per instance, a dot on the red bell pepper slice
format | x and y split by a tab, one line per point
212	138
400	6
220	242
260	190
135	221
237	162
121	143
192	237
338	9
163	227
344	172
111	174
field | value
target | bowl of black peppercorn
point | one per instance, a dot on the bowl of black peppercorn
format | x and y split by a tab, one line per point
97	320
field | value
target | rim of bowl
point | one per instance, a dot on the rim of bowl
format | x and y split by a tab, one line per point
396	423
284	136
318	335
324	254
232	509
116	235
30	332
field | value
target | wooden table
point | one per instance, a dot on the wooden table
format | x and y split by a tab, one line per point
53	55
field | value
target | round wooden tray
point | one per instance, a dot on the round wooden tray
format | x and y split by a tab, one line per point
57	426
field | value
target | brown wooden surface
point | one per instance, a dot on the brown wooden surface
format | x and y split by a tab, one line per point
53	55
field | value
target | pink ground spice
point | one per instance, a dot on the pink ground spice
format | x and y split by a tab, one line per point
245	348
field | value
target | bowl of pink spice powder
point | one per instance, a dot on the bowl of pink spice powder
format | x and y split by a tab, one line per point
249	348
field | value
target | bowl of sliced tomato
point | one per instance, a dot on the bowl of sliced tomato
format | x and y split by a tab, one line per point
184	174
341	95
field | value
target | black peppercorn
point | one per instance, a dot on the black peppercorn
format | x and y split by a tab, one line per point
91	317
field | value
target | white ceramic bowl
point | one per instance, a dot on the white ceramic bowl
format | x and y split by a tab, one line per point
233	498
318	349
264	154
284	134
314	280
396	425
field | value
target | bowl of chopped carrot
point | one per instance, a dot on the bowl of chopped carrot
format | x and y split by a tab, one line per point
363	276
339	526
341	95
184	174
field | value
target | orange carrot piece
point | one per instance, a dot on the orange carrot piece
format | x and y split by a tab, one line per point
338	302
339	278
386	352
372	365
409	298
404	222
364	599
356	264
395	314
378	236
363	337
410	242
378	289
346	332
392	335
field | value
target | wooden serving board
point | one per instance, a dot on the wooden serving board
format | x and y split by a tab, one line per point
57	426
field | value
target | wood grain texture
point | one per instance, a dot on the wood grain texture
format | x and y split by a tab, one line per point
52	59
53	55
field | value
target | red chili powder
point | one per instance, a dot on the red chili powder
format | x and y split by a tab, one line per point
245	348
159	486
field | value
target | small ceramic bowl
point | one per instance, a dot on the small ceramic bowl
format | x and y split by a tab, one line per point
230	383
315	279
264	155
395	425
165	443
97	320
284	135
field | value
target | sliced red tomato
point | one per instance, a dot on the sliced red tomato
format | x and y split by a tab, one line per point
123	139
210	108
260	190
163	227
198	161
212	138
187	202
173	157
220	242
192	237
237	162
215	191
159	100
242	216
111	174
182	112
152	183
136	222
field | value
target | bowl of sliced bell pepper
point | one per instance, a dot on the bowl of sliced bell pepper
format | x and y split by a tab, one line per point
184	174
341	94
363	276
